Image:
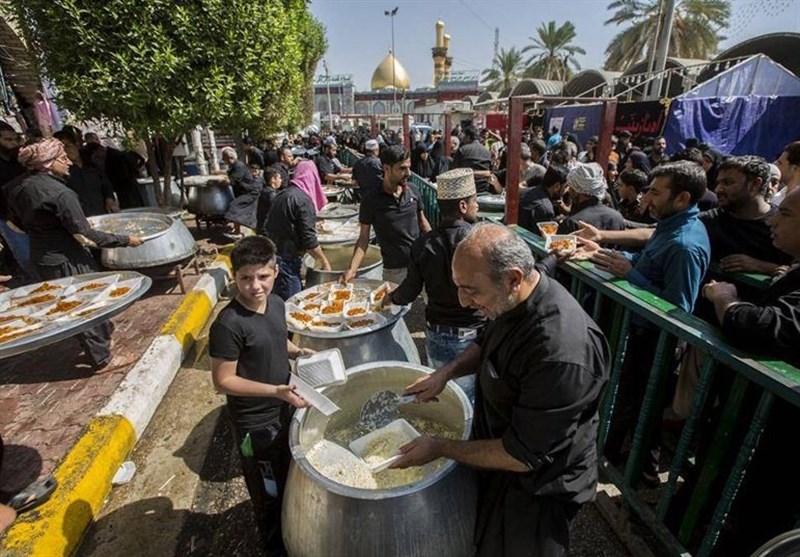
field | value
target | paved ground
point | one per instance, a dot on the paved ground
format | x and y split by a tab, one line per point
189	500
47	396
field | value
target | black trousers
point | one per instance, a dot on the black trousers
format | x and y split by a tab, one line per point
265	474
97	340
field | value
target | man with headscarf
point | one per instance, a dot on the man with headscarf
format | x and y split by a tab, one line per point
291	224
307	179
587	184
50	213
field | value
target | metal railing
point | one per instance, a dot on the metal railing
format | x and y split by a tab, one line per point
616	303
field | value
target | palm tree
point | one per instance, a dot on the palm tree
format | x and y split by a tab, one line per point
507	68
695	30
554	56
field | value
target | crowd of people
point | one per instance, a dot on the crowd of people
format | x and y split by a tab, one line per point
682	226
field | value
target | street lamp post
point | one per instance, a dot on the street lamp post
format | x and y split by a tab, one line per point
391	14
328	81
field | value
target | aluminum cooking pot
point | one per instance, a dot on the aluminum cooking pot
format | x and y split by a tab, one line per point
209	197
339	257
434	516
175	245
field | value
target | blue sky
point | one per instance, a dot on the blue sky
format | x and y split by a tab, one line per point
359	34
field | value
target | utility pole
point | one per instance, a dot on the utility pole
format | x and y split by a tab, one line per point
391	14
328	81
663	47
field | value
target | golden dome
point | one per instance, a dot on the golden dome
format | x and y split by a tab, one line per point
382	76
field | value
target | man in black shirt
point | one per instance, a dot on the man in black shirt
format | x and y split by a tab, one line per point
396	213
542	203
472	154
330	169
368	171
291	224
285	164
450	327
18	244
252	154
541	366
630	189
250	363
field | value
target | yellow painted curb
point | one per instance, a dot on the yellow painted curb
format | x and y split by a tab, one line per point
189	319
84	480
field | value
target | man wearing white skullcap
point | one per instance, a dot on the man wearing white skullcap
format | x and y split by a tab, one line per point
587	186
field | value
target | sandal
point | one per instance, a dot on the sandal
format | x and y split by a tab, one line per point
34	495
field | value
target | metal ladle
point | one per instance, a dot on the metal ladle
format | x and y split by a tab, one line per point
382	408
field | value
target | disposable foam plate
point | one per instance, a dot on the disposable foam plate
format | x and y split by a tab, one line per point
294	322
323	368
555	238
314	397
400	427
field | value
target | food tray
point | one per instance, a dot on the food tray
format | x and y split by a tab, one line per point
547	228
394	436
323	368
47	326
338	211
361	290
147	226
564	242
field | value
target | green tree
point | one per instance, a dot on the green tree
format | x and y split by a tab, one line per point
507	68
695	30
554	53
158	68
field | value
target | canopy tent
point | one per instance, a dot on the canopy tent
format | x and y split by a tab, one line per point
744	110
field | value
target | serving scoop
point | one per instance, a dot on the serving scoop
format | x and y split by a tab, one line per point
382	408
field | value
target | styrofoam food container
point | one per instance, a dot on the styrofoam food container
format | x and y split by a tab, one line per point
399	428
313	396
376	296
354	323
99	284
323	368
294	321
547	226
343	292
25	291
326	323
568	238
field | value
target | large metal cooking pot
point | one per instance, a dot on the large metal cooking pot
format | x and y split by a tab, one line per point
147	188
492	202
435	516
173	212
389	340
208	197
339	257
174	246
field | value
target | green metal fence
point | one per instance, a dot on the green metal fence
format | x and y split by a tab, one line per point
616	303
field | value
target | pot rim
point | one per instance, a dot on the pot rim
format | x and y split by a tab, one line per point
378	494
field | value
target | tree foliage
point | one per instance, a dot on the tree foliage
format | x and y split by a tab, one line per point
161	67
554	53
696	30
507	68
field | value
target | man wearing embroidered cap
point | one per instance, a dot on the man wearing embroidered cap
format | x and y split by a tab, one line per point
587	184
450	327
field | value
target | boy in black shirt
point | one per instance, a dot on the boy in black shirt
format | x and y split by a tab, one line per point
250	364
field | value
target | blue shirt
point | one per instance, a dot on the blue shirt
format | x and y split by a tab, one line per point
675	260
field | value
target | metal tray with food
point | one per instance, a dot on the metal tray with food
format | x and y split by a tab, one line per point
338	211
335	310
147	226
64	308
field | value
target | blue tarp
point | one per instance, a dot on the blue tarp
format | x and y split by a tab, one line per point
750	109
735	125
758	75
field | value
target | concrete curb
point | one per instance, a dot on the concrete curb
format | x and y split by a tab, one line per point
84	476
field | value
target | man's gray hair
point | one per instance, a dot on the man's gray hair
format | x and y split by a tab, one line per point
507	252
231	152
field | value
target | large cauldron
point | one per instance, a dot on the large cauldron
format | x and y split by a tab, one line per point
176	245
208	197
434	517
339	257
